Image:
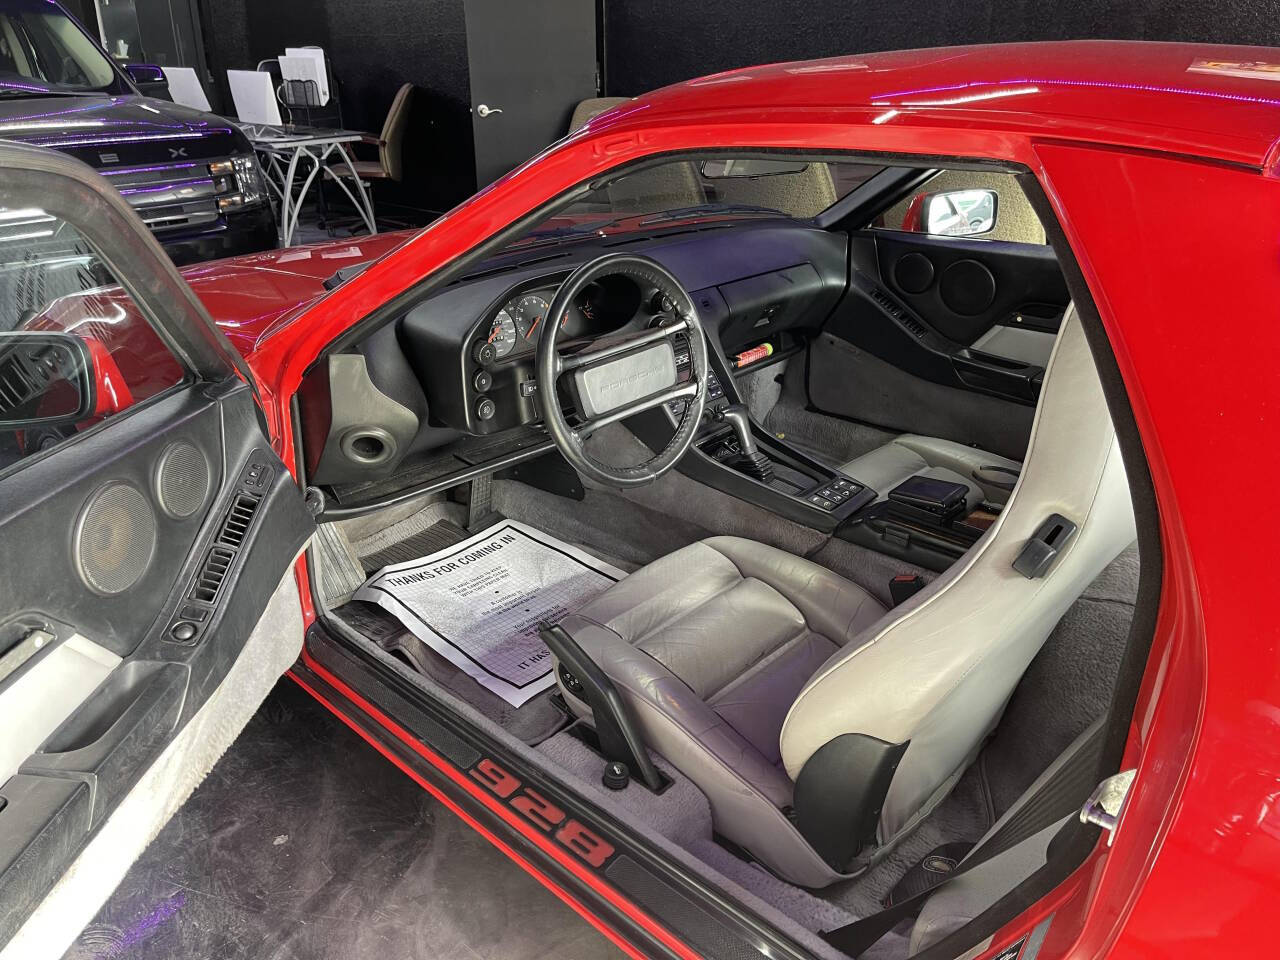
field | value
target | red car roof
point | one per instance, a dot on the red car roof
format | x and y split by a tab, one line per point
1178	97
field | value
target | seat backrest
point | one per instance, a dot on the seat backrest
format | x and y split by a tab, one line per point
936	671
391	151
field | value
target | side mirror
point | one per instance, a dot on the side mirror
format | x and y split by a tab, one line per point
46	380
149	79
960	213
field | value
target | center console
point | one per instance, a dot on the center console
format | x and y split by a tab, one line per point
923	521
733	454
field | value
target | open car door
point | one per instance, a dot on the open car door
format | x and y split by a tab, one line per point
147	536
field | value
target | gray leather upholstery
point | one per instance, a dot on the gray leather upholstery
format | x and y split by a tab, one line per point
908	455
709	646
740	661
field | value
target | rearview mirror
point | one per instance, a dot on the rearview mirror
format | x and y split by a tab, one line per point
960	213
46	379
728	169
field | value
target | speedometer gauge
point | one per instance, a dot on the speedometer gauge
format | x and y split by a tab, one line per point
529	312
503	335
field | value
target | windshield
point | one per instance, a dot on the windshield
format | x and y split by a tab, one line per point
719	188
43	51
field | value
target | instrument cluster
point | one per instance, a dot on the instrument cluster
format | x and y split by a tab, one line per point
515	328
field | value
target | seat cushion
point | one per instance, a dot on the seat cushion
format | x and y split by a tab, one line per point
710	646
365	169
987	476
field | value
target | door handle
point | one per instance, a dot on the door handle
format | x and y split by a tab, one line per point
484	110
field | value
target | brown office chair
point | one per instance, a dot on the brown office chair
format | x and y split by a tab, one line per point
389	165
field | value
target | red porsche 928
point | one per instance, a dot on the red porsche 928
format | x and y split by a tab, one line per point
784	516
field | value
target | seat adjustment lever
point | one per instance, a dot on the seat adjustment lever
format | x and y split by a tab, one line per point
620	738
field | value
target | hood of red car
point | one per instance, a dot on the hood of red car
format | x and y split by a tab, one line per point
248	295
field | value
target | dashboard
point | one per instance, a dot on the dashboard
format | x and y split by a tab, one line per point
458	366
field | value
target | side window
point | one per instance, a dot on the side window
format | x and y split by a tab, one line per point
74	346
967	203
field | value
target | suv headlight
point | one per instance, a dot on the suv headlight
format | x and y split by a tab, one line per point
239	182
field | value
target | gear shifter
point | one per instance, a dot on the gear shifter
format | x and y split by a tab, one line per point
749	459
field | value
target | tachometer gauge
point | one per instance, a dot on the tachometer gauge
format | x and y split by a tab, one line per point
529	311
504	334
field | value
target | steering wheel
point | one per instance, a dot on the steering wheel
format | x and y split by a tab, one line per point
616	377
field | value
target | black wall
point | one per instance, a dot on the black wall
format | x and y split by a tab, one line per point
378	44
652	43
374	45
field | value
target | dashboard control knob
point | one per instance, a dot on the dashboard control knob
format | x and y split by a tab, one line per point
483	381
662	303
485	352
485	409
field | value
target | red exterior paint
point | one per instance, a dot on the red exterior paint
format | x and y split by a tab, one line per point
248	295
521	825
1181	251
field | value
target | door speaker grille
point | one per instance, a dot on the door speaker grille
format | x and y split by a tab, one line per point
182	480
115	538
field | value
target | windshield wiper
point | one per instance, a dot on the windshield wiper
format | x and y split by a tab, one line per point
554	234
697	210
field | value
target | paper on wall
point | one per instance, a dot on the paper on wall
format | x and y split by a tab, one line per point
307	63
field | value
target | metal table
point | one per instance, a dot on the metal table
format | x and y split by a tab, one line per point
284	149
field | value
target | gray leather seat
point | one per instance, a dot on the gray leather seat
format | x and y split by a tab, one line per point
821	727
988	476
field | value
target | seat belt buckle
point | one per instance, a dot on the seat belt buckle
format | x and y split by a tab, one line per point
905	586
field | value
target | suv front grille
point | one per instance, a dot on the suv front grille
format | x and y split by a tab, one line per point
173	196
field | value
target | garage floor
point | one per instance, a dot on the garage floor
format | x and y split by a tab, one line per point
305	843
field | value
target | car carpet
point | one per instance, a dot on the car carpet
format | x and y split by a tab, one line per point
832	439
752	897
601	522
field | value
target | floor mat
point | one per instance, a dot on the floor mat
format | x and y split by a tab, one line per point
532	722
438	536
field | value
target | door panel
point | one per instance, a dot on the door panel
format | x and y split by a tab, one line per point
530	64
114	683
139	548
903	349
965	288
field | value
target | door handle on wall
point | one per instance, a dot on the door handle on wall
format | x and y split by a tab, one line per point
484	110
